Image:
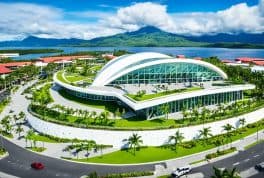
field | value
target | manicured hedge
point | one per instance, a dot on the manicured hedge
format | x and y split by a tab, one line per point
220	153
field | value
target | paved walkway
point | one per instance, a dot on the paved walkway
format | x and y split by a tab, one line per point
58	99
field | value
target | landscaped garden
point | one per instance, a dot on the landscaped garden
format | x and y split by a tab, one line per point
86	119
141	95
137	153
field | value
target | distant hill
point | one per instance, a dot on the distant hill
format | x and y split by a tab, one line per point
33	41
147	37
150	37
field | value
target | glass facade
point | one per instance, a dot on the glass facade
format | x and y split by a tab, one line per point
169	73
190	103
89	96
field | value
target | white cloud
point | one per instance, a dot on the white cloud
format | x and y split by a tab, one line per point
18	20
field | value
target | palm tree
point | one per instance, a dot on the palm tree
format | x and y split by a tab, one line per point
29	135
242	122
176	138
19	129
205	133
134	141
165	110
225	173
228	128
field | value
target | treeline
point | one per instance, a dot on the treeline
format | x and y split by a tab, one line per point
31	51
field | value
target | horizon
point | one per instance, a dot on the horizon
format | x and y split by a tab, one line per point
87	20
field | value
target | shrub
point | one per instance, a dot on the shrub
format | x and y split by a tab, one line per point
220	153
188	145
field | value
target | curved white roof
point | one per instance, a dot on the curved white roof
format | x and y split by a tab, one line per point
127	63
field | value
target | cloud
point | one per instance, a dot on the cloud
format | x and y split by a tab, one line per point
237	18
18	20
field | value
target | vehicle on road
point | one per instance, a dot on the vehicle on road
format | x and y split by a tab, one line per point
181	171
37	165
260	166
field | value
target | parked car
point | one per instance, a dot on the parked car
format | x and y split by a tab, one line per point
181	171
37	165
260	166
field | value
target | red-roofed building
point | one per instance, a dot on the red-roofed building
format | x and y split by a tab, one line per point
180	56
198	58
227	61
258	62
61	58
4	70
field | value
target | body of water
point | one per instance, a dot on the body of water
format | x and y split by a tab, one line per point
222	53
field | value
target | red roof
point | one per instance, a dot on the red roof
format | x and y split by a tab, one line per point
258	62
248	59
198	58
4	70
180	56
15	64
227	61
60	58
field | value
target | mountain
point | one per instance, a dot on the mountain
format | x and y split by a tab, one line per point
33	41
229	38
150	37
146	36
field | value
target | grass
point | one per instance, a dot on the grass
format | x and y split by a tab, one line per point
147	154
37	149
74	78
2	151
220	153
61	78
4	103
253	144
156	95
151	154
199	161
42	138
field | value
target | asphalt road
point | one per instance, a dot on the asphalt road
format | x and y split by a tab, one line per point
19	160
242	161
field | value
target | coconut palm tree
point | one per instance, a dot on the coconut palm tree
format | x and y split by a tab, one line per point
205	133
228	128
29	135
242	122
19	129
225	173
134	142
176	138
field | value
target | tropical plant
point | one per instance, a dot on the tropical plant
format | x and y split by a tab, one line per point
19	129
205	133
134	142
176	138
218	173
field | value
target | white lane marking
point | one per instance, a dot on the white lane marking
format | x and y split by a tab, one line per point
249	172
246	160
237	163
255	156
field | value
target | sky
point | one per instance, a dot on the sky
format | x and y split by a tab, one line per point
87	19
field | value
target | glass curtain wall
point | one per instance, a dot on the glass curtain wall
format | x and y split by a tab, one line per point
169	73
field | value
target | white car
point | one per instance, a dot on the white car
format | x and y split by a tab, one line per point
181	171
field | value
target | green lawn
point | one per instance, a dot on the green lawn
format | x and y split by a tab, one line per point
150	154
61	78
156	95
74	78
42	138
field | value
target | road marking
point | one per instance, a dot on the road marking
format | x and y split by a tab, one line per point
246	160
237	163
255	156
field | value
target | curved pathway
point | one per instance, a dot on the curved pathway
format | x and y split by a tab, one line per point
58	99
